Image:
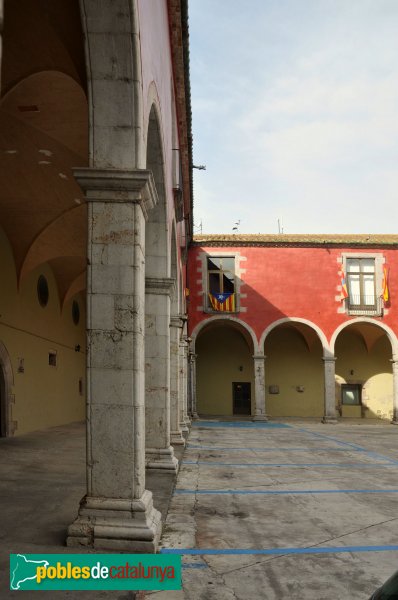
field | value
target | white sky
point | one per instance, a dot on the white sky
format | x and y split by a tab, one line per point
295	115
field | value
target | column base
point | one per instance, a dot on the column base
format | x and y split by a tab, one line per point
176	438
161	458
331	420
194	416
259	418
394	422
185	424
117	524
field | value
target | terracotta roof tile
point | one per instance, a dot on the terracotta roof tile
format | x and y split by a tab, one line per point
297	239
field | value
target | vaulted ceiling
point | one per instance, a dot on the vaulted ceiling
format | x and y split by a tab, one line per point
43	136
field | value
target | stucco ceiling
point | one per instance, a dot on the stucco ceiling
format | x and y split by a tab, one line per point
43	136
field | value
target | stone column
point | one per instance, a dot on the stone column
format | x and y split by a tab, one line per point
159	452
394	363
330	389
176	325
117	512
185	421
192	385
259	388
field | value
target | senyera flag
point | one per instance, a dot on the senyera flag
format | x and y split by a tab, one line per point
385	292
344	290
224	302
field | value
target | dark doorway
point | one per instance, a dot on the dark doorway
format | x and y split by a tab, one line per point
3	432
241	398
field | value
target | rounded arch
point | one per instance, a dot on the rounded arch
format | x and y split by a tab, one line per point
389	332
224	367
6	398
292	320
247	331
157	246
115	136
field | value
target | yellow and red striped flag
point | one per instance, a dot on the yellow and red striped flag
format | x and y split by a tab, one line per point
385	291
223	302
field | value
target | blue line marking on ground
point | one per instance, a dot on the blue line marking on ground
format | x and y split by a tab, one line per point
273	551
276	449
240	424
283	492
370	453
251	465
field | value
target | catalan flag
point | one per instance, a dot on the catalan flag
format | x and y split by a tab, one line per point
223	302
344	290
385	291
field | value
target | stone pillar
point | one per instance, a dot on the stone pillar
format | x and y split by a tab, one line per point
117	512
185	421
176	325
259	388
330	389
159	452
394	363
192	385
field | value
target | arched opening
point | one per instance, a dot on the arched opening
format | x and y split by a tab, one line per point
6	381
224	369
3	428
364	380
294	371
158	290
156	242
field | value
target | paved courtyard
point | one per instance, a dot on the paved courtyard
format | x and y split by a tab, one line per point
295	510
291	510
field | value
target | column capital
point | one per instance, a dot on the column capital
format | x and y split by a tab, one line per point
259	356
177	321
159	285
116	185
329	359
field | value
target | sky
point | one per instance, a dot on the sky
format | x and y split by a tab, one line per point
295	115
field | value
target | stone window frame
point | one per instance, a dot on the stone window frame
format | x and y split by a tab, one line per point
379	259
207	308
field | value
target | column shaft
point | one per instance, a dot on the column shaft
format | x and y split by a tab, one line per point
330	389
117	512
259	388
395	392
159	452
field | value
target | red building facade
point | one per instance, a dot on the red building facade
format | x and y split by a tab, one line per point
305	325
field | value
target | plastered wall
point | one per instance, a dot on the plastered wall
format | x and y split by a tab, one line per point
297	371
43	395
220	354
369	367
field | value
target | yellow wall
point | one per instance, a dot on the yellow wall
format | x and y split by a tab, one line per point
220	353
290	364
372	369
44	395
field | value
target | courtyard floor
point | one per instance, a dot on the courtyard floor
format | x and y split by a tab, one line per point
295	510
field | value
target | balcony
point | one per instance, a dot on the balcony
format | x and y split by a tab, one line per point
364	305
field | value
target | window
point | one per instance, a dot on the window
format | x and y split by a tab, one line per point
351	394
361	283
42	291
221	283
52	358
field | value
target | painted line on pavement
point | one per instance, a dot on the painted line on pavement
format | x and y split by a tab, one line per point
323	465
274	551
282	492
369	453
236	448
239	424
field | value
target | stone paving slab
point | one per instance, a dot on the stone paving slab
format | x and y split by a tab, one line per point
321	521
